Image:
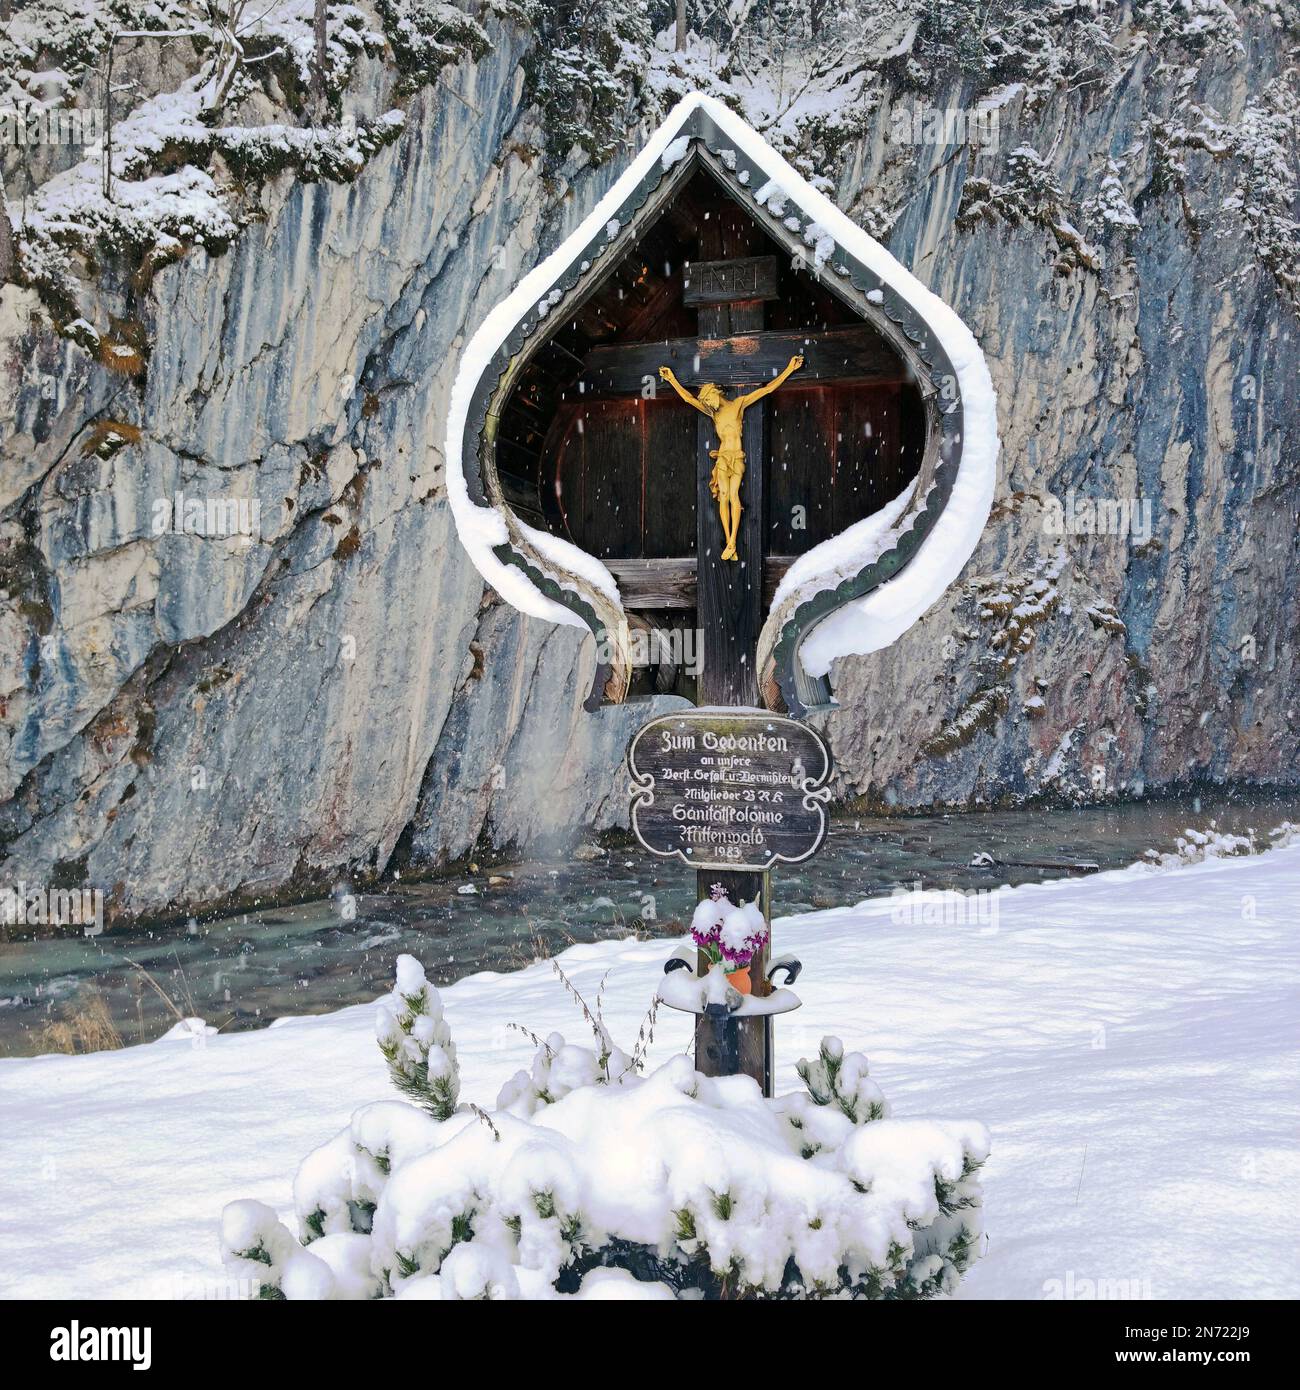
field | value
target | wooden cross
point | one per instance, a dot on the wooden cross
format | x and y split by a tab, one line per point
736	353
729	597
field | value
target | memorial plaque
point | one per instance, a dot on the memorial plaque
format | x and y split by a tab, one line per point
729	789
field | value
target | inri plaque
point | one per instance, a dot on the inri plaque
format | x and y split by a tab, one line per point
729	788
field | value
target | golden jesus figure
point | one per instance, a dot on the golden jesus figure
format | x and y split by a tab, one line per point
724	481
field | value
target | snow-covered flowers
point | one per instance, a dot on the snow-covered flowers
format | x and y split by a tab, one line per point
726	933
744	933
706	922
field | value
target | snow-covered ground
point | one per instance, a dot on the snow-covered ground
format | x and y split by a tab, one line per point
1130	1039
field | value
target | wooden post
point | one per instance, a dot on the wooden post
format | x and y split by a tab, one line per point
729	613
753	1052
710	786
729	593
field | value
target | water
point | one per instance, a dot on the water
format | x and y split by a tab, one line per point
243	971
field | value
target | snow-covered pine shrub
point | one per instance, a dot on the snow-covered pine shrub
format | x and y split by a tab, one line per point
1266	188
1109	208
1193	23
840	1096
1284	835
1047	44
1257	153
593	1181
285	34
416	1042
558	1069
259	1250
338	1185
1196	846
1032	194
834	1079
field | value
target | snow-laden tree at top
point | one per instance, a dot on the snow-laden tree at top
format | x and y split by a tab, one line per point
591	1179
585	73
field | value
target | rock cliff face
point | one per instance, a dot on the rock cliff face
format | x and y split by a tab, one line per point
195	721
1099	664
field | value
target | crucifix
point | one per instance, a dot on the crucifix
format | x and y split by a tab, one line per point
727	416
729	298
743	501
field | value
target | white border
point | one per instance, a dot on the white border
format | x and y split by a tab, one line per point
865	624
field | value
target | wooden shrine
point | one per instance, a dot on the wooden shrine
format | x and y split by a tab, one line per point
593	446
712	389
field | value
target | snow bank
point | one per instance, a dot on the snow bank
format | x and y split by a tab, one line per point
1128	1038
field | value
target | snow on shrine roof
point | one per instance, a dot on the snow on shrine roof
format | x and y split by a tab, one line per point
854	593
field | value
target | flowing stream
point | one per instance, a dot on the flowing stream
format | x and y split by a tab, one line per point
242	971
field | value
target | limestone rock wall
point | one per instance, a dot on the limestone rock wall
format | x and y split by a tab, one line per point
192	722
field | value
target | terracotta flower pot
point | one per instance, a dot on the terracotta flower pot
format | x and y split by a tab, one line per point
739	979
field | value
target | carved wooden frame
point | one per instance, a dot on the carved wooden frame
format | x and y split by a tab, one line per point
782	679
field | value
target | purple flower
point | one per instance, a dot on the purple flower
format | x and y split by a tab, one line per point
743	933
706	925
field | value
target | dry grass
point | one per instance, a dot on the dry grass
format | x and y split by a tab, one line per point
185	1009
124	348
85	1027
645	1037
538	948
349	545
121	357
106	437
